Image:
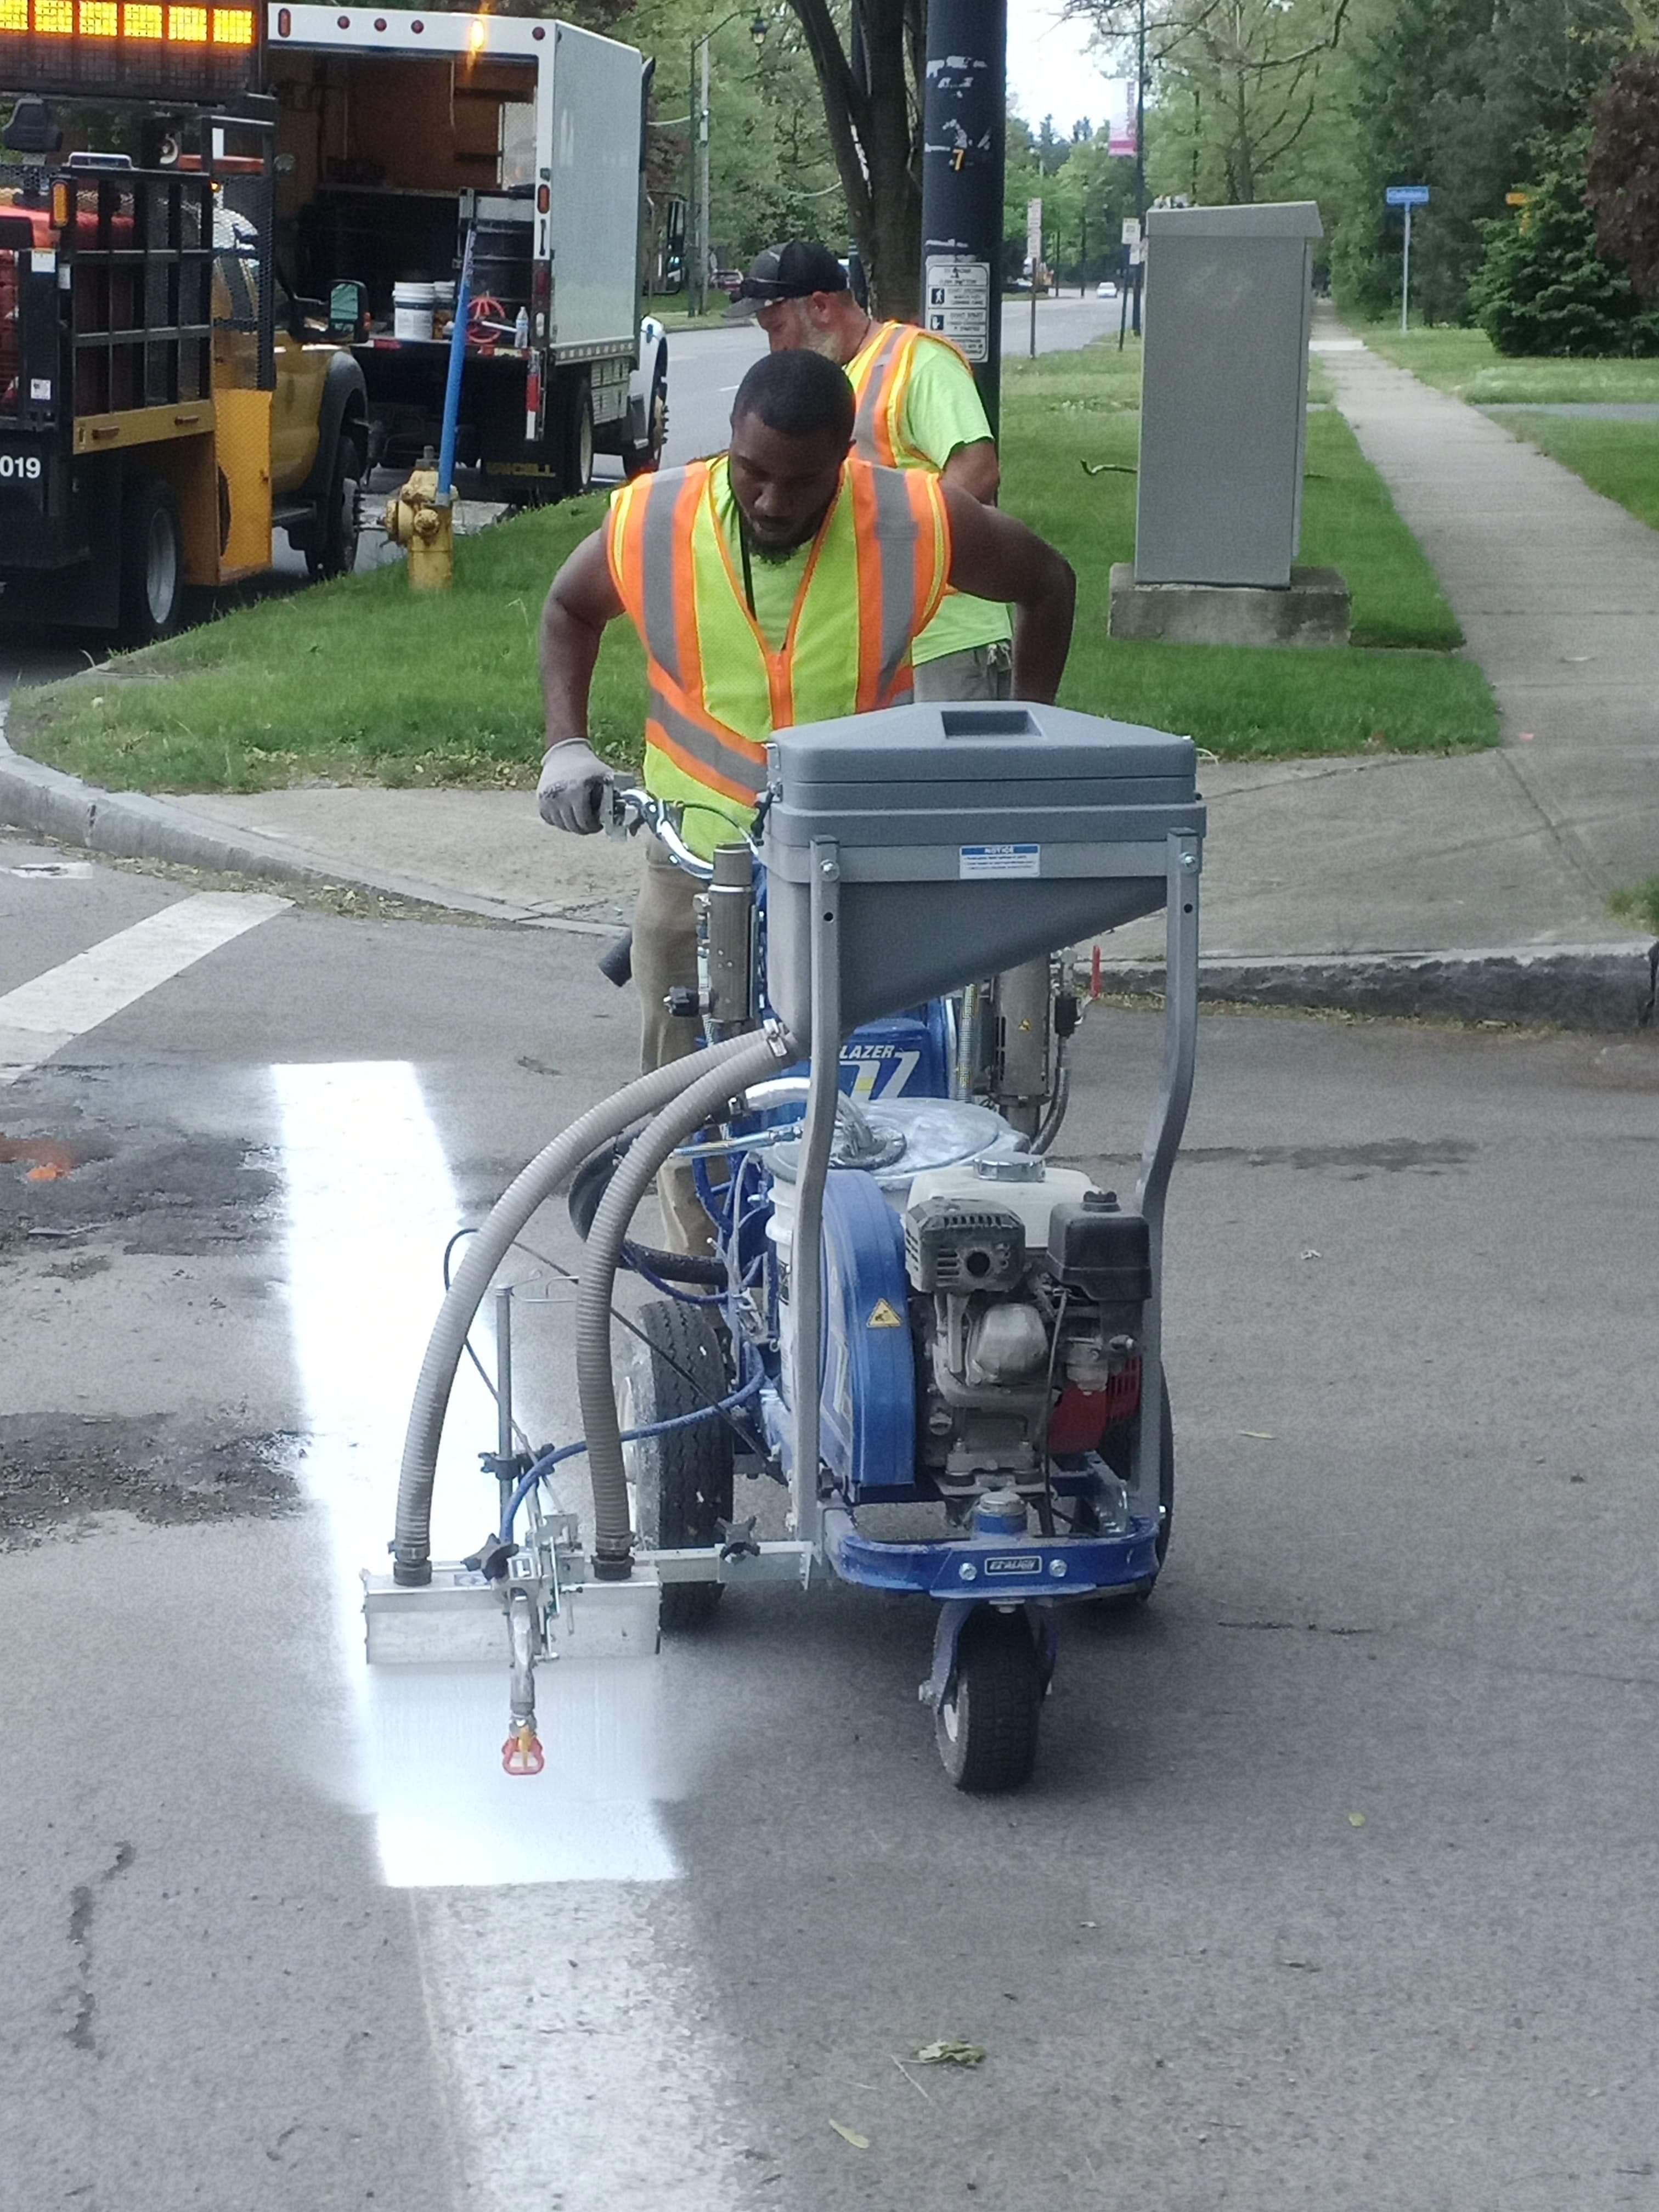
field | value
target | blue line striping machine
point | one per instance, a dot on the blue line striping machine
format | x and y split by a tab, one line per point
908	1314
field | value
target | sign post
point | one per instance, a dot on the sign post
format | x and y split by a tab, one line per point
1034	255
1405	196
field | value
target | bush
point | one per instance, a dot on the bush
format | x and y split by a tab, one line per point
1622	179
1543	288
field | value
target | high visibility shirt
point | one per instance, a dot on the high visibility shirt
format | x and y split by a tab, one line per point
869	583
917	404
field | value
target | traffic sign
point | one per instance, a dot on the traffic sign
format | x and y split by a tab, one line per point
1406	196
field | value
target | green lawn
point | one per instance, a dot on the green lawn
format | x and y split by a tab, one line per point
1639	904
360	681
1466	364
1619	459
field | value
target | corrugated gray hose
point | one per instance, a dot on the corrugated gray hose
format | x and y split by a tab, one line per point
596	1384
543	1179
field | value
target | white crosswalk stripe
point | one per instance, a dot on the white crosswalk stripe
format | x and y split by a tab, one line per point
49	1011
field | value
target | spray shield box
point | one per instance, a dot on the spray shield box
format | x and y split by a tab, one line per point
966	838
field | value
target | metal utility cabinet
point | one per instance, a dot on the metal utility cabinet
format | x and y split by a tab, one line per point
1224	393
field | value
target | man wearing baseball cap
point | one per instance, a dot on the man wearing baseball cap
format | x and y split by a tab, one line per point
918	408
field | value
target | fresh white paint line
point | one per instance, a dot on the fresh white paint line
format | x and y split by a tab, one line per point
49	1011
371	1204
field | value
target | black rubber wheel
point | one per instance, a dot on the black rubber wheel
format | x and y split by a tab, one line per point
1117	1449
640	460
683	1481
986	1729
334	553
576	437
152	561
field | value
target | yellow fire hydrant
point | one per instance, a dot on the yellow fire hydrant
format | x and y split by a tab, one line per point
416	521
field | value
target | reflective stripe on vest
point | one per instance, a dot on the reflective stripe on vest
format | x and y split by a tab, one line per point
718	688
880	374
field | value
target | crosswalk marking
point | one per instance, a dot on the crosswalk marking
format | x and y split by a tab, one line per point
49	1011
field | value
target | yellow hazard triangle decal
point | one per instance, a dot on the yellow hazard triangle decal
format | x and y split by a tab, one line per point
882	1315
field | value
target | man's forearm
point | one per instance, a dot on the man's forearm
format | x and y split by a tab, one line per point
1043	637
569	648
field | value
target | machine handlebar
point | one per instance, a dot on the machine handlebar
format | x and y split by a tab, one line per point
632	808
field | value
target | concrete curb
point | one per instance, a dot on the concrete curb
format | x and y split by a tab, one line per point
1579	986
1575	987
131	826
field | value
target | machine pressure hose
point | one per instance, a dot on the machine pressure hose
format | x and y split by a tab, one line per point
712	1080
546	1174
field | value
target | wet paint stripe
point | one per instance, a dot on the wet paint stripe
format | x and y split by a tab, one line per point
370	1203
42	1016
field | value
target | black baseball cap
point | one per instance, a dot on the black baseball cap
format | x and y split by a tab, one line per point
790	272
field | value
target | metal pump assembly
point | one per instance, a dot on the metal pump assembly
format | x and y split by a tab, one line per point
907	1304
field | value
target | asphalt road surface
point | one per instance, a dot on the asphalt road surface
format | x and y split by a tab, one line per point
1335	1884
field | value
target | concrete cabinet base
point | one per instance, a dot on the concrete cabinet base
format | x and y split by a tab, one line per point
1313	609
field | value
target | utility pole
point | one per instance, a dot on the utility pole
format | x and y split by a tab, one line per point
702	182
964	134
1141	152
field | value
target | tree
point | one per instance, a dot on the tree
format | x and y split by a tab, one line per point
872	106
1543	288
1622	179
1240	78
1451	93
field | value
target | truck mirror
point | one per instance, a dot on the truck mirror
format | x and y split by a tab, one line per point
348	309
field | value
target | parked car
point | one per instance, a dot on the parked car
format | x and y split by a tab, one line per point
1105	289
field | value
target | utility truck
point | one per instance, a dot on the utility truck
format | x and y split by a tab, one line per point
163	401
398	134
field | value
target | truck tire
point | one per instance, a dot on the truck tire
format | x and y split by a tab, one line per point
152	561
333	550
575	435
640	460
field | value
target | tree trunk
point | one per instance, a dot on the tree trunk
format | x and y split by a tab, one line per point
874	120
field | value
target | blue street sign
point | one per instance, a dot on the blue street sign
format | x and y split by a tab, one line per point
1406	195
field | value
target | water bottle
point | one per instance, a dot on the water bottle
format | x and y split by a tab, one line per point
521	330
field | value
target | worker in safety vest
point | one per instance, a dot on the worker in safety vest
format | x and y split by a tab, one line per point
784	581
918	408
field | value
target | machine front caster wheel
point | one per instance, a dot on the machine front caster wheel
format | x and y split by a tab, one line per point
683	1481
986	1726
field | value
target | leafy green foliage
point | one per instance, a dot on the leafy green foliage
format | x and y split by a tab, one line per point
1450	94
1543	288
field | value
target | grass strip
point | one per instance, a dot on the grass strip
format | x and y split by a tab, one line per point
360	681
1619	459
1638	904
1467	364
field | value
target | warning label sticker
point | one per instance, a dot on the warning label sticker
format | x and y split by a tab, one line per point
882	1316
959	303
998	860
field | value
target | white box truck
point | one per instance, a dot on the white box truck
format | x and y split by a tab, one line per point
398	133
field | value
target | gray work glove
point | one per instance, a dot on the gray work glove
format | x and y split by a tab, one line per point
571	790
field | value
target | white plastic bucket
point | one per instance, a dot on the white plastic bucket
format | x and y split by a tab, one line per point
411	310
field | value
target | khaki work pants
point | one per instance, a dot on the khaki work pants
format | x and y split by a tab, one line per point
979	672
665	958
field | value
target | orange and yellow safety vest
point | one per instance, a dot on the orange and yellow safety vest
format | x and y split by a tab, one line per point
880	374
874	580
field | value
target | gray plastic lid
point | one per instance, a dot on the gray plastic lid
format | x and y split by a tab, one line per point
1004	741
